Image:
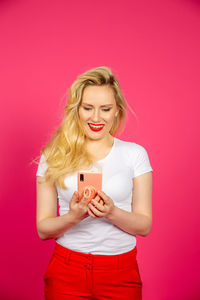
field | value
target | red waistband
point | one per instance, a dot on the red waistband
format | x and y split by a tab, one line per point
95	260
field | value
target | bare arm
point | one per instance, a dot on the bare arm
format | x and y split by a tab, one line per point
49	225
133	223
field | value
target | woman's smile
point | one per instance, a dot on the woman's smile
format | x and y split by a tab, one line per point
95	127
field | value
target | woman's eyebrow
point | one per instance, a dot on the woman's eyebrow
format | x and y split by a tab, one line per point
84	103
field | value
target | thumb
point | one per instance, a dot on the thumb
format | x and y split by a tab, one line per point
74	197
84	200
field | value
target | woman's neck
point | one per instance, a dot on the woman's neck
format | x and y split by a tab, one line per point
98	146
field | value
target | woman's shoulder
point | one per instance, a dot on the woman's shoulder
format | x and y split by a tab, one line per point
129	145
136	156
42	166
132	150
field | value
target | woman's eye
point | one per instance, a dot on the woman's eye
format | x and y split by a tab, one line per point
106	109
87	108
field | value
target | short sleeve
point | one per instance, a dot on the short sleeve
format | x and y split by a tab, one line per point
42	167
140	163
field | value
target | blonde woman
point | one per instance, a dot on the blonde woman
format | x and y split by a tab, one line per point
95	251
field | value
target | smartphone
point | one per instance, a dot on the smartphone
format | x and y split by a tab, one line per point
89	183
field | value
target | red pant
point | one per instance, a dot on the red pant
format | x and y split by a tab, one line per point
75	275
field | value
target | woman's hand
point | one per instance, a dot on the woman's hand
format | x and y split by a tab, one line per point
78	208
101	208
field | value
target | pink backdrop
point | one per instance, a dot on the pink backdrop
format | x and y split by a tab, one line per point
153	47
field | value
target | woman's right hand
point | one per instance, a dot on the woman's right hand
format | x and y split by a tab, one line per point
78	208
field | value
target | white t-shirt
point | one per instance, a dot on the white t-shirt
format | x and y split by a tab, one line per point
125	161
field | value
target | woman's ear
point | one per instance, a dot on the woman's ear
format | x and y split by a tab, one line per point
116	113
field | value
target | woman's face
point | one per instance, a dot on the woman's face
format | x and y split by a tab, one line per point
97	111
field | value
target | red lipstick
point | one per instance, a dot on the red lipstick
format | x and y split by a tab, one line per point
96	124
96	128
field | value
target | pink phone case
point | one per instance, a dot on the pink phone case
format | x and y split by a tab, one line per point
88	184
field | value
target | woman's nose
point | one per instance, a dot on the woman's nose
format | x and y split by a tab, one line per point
96	115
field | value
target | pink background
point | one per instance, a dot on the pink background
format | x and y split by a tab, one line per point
153	47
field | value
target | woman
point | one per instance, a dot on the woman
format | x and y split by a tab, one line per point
95	252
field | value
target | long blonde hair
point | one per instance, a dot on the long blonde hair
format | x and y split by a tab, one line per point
65	152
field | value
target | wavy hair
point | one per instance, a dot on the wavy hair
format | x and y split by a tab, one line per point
65	152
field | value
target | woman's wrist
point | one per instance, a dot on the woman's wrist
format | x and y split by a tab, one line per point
74	217
111	215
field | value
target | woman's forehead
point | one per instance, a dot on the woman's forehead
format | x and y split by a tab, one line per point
98	94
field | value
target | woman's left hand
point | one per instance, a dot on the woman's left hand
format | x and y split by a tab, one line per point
97	209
